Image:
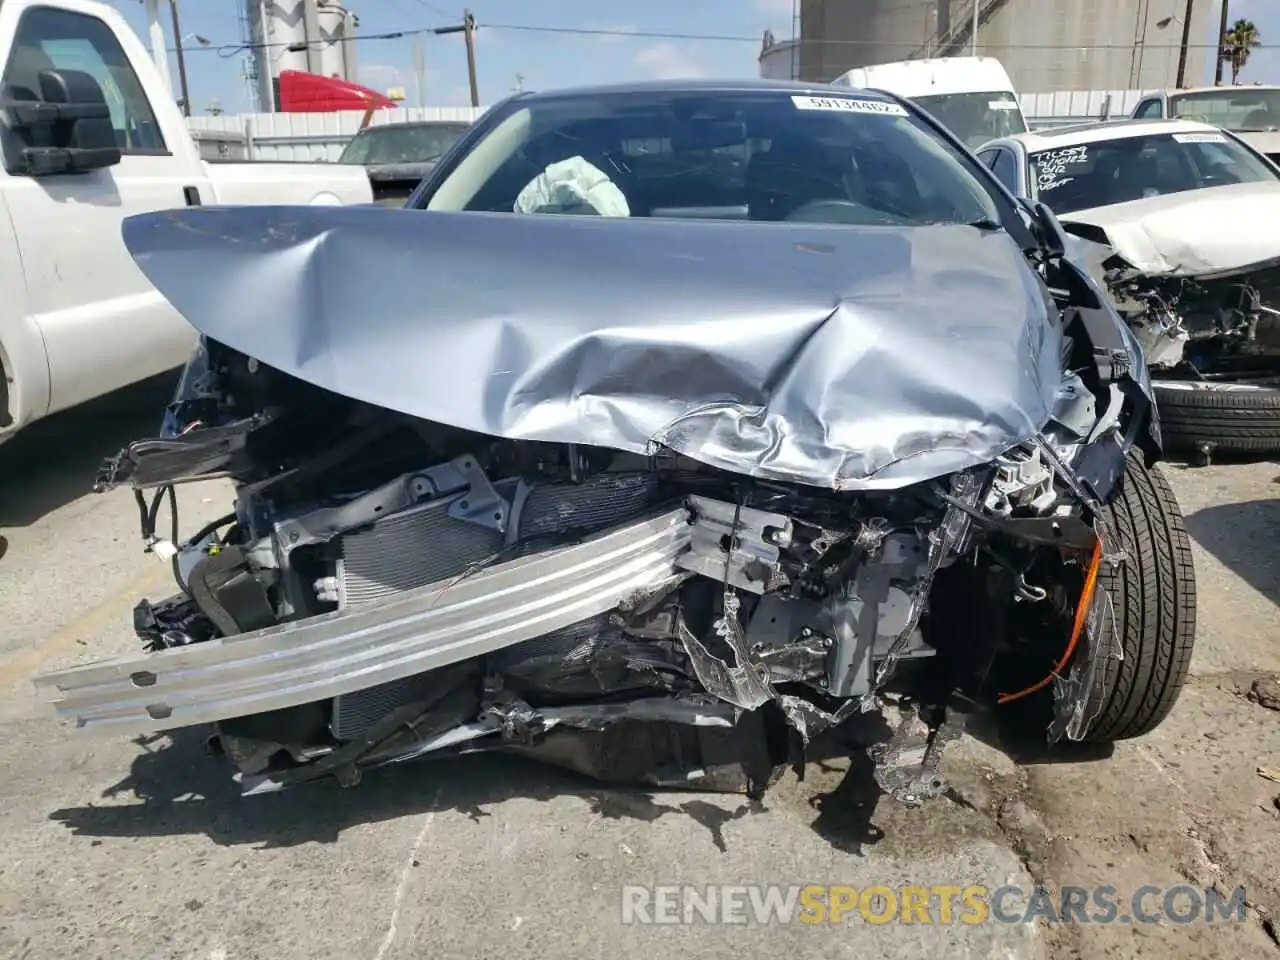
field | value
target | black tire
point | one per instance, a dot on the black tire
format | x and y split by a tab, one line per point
1153	593
1228	417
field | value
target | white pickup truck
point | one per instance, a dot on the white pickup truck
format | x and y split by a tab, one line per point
1250	112
90	134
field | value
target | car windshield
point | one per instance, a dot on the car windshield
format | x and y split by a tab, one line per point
976	117
1233	108
1117	171
744	155
401	143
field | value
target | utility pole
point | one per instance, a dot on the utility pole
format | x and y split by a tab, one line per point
182	60
1222	44
973	41
419	69
468	29
469	22
1186	42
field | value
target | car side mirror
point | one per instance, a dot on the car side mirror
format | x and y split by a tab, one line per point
67	130
1045	225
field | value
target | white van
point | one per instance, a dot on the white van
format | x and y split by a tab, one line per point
971	96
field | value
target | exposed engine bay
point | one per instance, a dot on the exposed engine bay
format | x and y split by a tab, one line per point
388	588
1225	323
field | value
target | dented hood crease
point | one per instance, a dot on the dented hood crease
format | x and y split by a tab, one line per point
843	357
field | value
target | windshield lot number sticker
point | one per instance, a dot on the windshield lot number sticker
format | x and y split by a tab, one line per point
1002	105
1053	168
1199	138
849	105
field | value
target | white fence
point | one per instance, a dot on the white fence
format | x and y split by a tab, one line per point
301	136
321	136
1077	106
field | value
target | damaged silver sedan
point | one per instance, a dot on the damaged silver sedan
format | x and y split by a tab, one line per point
678	424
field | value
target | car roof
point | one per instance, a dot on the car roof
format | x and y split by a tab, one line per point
1077	134
730	85
1237	88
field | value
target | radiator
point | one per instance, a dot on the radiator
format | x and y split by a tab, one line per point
425	545
410	549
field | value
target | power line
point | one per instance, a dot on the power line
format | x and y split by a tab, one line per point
229	49
438	12
731	38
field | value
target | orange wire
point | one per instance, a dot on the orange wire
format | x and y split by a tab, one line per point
1077	627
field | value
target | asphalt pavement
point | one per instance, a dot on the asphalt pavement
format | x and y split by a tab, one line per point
144	848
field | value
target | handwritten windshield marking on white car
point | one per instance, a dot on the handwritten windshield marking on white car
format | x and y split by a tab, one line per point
850	105
1052	167
1002	105
1200	137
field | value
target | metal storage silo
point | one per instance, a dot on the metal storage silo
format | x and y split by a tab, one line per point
1093	44
839	35
1044	44
337	49
325	44
272	26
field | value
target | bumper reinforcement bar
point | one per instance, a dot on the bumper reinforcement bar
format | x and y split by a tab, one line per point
350	650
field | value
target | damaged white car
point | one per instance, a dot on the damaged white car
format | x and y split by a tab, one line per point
1180	222
790	413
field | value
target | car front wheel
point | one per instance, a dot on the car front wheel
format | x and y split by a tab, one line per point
1153	593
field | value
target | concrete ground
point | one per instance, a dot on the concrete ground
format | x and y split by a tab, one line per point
113	848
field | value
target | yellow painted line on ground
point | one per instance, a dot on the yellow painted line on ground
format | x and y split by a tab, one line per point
86	626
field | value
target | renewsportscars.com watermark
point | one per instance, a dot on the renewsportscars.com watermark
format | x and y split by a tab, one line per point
939	904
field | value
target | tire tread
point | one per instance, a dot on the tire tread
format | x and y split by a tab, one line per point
1245	421
1154	597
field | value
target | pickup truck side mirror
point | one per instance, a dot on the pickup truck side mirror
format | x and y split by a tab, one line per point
68	130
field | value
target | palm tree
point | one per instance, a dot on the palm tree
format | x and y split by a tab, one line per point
1240	41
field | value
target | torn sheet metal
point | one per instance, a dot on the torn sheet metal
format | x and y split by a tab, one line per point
1193	233
1076	703
691	741
744	683
907	765
838	356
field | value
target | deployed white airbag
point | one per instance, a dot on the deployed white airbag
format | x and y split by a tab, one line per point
573	186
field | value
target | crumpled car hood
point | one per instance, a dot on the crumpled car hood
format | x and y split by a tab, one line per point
1193	233
835	356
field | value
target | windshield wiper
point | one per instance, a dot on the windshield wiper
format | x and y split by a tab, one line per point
985	223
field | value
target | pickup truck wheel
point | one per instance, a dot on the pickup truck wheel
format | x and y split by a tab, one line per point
1201	417
1153	592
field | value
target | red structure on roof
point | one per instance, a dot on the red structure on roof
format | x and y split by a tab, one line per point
302	92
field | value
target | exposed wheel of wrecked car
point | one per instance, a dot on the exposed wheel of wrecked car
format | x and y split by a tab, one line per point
681	492
1207	416
1153	593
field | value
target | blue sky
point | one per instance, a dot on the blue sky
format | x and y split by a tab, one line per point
553	60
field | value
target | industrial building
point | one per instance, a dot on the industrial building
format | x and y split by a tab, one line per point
1045	45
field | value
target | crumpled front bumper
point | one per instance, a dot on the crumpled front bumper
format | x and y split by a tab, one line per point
350	650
